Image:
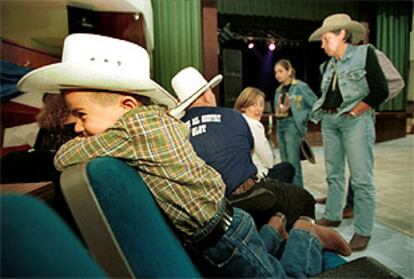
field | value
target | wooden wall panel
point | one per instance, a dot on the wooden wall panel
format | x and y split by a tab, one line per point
122	26
210	41
13	53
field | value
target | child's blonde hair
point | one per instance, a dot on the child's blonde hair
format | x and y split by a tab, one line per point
247	98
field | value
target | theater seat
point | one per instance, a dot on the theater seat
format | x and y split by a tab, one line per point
121	223
36	243
123	226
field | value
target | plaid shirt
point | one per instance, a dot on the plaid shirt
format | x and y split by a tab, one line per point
157	145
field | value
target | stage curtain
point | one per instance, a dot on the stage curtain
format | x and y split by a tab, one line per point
177	38
293	9
393	39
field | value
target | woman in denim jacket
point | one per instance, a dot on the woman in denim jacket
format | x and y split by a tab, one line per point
294	100
352	85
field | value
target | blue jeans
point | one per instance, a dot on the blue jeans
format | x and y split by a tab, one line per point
352	138
289	140
245	252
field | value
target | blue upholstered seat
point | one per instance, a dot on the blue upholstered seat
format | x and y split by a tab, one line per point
144	239
36	243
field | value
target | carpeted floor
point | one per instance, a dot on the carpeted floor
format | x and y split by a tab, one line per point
394	177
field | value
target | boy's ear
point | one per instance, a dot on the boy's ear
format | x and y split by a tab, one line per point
129	102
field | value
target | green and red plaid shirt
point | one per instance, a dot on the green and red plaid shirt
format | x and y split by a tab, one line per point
157	145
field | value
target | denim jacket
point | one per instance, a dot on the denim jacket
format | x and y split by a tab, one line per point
301	98
351	76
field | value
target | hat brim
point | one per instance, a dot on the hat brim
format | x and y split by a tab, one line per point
306	152
178	111
60	76
355	28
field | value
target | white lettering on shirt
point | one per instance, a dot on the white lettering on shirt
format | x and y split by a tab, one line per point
195	121
195	124
201	129
211	118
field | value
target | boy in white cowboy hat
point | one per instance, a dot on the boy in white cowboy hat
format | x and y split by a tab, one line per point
353	84
106	87
217	128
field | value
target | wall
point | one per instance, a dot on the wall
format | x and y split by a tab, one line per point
40	25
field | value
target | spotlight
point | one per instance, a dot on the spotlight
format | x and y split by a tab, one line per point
250	45
271	46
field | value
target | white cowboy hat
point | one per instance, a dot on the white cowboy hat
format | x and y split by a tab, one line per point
338	22
100	63
189	84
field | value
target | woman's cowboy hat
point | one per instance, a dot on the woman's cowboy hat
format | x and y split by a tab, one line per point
100	63
189	84
338	22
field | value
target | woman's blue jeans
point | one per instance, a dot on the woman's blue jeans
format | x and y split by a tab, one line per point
289	140
350	138
245	252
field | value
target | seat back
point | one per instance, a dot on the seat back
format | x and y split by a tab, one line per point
36	243
121	223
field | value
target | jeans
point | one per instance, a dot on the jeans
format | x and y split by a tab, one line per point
351	138
289	140
245	252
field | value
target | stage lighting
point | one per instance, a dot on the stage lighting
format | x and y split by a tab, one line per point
271	46
250	45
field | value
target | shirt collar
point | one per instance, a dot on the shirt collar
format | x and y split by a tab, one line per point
294	82
348	52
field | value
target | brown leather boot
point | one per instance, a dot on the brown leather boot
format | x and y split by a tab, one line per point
348	212
321	200
328	223
359	242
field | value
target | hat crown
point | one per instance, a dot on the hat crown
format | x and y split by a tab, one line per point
186	82
100	51
337	19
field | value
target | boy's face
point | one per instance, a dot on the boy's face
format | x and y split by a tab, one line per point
92	118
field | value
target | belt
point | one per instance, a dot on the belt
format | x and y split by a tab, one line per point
244	187
330	110
215	234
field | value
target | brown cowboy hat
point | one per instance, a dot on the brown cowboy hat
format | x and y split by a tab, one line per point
338	22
